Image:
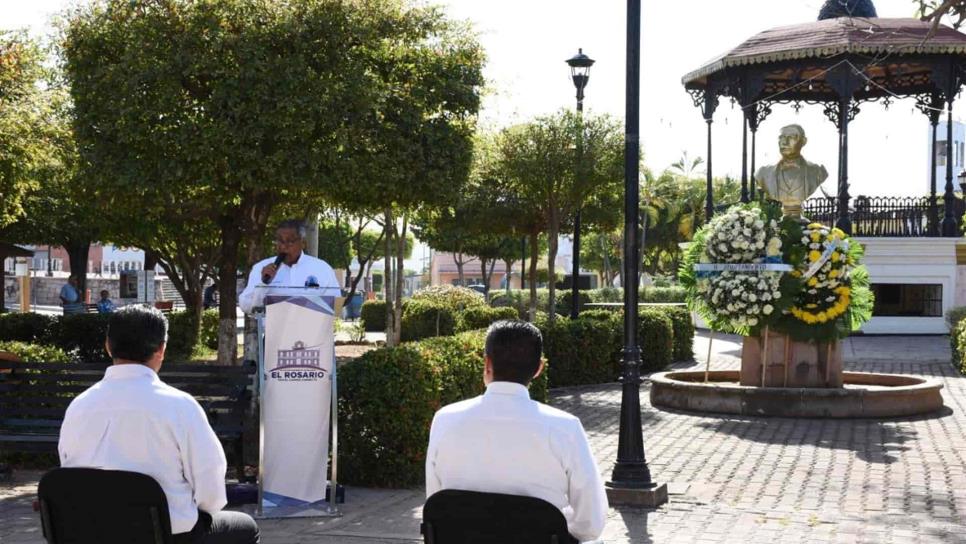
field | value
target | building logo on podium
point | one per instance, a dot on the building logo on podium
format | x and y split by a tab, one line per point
299	364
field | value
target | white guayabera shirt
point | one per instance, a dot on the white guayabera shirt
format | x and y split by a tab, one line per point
504	442
307	270
133	421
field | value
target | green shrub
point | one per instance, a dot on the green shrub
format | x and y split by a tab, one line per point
455	298
600	314
387	398
182	337
582	351
82	336
683	327
663	294
481	317
208	335
28	327
373	315
957	339
520	300
426	319
655	335
35	353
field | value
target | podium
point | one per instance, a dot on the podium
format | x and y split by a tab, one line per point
297	402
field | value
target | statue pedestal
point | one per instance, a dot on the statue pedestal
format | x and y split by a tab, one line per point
803	364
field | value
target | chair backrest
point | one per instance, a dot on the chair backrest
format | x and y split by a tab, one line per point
453	516
85	505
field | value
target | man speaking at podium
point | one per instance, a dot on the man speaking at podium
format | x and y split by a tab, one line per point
291	267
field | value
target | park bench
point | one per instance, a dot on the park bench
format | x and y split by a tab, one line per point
34	397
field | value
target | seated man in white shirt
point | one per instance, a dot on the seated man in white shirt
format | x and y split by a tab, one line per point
296	269
504	442
133	421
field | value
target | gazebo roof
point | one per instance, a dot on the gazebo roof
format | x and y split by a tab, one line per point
834	37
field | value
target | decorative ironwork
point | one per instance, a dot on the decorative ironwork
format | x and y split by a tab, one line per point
831	111
904	217
757	113
931	105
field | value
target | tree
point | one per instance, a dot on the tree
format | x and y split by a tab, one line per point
538	163
414	147
58	210
935	10
21	147
601	250
238	105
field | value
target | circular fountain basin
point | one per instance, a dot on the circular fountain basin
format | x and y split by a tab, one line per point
864	395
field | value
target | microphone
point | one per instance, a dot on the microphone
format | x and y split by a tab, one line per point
267	278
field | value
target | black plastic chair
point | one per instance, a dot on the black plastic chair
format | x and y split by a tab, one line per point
92	506
454	516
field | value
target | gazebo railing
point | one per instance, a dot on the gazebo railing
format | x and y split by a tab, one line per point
880	216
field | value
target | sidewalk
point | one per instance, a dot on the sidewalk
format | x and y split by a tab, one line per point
731	479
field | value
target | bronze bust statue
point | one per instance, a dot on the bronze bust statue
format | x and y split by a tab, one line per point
793	179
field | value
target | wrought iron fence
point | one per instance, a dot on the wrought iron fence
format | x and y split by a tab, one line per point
885	216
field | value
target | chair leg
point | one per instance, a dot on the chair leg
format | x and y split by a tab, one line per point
240	460
156	522
45	522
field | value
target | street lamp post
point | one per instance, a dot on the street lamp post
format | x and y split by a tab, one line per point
580	72
630	483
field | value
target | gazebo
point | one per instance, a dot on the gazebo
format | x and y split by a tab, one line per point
847	58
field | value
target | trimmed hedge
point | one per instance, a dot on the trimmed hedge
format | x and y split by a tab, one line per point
387	399
521	299
481	317
655	335
35	353
455	298
683	327
208	335
373	315
82	336
957	340
426	319
582	351
28	327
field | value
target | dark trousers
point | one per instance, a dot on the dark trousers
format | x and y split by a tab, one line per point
221	528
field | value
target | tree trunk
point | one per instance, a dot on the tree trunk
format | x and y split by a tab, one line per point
400	276
459	260
509	275
387	281
551	268
534	239
486	278
77	254
227	295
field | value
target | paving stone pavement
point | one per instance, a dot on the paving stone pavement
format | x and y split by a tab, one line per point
731	478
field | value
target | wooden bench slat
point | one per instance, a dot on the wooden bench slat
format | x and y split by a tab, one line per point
29	438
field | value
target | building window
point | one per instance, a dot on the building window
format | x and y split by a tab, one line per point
907	300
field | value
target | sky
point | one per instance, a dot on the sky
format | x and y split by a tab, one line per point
528	41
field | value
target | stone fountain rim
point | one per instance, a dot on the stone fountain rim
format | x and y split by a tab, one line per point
887	395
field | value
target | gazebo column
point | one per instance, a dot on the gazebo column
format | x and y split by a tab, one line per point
842	79
933	200
844	220
755	115
744	157
950	225
710	104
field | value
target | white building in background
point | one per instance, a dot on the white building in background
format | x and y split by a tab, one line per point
959	150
